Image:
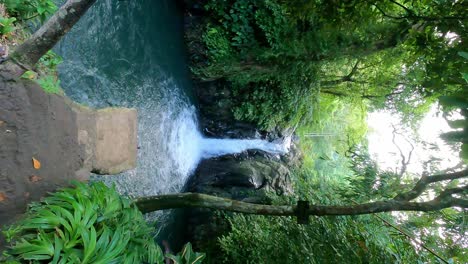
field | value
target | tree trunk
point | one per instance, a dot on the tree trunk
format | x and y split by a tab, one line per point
44	39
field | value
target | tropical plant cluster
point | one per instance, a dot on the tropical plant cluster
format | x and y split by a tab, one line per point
20	17
85	224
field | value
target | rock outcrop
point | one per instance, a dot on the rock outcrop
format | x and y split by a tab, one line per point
249	176
69	141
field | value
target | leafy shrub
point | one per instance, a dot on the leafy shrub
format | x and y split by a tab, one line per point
30	9
85	224
343	239
187	256
47	69
50	60
217	43
6	25
50	84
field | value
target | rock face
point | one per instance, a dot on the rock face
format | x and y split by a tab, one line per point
216	117
67	139
248	177
234	176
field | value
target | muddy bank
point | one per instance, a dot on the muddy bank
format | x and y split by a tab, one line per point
68	140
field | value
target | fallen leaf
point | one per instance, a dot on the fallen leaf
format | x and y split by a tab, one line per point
2	196
36	164
1	122
29	75
26	195
34	178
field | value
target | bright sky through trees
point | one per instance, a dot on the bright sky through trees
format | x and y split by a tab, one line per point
386	153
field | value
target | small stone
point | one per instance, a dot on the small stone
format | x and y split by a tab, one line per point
3	196
3	51
35	178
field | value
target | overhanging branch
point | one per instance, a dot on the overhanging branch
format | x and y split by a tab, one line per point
44	39
197	200
421	185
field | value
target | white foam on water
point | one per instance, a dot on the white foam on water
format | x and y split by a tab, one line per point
110	59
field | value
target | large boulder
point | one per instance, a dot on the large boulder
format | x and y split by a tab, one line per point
116	142
251	176
233	176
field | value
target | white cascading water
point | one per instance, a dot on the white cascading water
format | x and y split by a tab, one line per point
171	146
132	54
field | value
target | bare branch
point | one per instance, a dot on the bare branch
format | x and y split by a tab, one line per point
387	15
448	192
404	161
342	79
411	237
408	11
421	185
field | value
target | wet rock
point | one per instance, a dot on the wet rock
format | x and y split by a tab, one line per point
250	171
216	116
250	176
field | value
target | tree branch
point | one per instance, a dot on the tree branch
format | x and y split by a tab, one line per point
44	39
408	11
404	161
448	192
342	79
192	200
412	15
421	185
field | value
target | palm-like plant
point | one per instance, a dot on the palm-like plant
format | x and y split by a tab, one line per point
85	224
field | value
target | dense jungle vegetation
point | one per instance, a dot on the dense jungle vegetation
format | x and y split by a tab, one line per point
321	66
317	66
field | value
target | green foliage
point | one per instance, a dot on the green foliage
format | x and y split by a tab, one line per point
274	50
85	224
326	178
7	25
48	76
187	256
25	10
357	239
457	101
50	60
272	104
217	44
50	84
336	125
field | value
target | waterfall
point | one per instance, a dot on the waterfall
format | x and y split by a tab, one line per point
170	145
211	147
132	54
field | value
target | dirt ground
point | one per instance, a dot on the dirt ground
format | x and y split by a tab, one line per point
36	125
